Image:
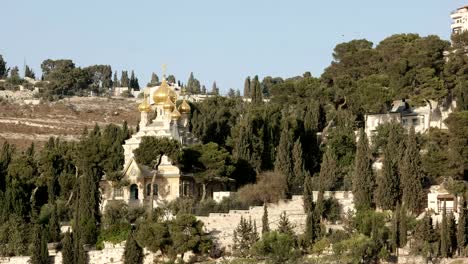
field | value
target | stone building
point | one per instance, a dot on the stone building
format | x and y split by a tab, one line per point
459	20
421	118
160	118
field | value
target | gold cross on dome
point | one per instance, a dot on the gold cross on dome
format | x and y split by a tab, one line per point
164	68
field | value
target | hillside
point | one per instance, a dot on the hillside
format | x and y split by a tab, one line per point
22	124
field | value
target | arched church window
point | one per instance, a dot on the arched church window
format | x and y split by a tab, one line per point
155	189
133	192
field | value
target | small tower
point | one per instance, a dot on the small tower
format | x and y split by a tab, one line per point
184	109
144	109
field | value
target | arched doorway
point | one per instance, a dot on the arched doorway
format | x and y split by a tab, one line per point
133	192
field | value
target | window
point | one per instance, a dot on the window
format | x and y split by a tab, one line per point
184	188
415	121
118	192
405	122
155	189
133	192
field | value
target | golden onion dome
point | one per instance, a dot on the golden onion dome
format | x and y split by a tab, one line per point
184	107
172	94
144	107
160	95
175	115
168	104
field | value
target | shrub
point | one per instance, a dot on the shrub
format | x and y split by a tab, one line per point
114	234
270	187
332	210
276	247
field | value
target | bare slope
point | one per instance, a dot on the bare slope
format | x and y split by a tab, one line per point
22	124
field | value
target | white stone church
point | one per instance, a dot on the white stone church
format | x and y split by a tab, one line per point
169	121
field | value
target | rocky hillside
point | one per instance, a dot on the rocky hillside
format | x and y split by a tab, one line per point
22	123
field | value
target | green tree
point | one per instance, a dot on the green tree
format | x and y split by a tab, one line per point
395	231
277	247
244	237
124	81
328	177
154	236
133	82
402	226
388	186
308	197
296	184
284	225
193	85
462	228
116	82
247	87
412	175
3	68
67	248
154	80
283	161
28	72
187	235
133	253
457	145
54	225
312	230
363	181
215	89
444	236
265	223
40	254
212	164
150	153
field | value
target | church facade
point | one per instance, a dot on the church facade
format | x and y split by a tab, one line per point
169	121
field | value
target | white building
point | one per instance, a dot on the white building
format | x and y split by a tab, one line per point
460	20
422	118
168	121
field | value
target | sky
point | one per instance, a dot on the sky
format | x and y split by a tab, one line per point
218	40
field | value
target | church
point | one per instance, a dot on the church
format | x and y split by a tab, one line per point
160	118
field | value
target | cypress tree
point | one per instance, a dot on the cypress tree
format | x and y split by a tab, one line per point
67	249
363	180
54	226
3	68
402	226
283	161
247	88
395	237
328	176
133	253
116	82
462	228
307	197
215	89
452	234
444	236
412	175
203	90
265	223
124	79
40	254
296	183
28	72
388	191
312	231
154	80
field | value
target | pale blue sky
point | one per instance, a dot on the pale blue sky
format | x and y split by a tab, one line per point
216	39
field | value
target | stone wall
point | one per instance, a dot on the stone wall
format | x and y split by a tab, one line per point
222	225
111	254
